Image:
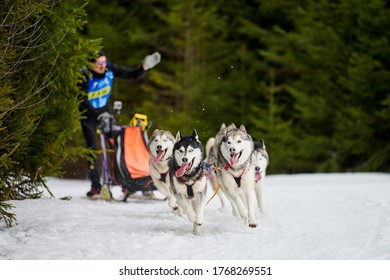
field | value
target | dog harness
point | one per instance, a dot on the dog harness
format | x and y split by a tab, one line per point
163	177
237	179
190	190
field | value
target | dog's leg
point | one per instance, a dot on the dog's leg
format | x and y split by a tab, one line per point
186	206
180	210
225	192
239	204
249	191
164	190
259	197
175	206
200	207
232	203
172	202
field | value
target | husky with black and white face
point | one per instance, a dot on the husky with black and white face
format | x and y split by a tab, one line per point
235	149
188	180
160	149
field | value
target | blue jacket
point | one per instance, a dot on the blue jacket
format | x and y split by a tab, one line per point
98	87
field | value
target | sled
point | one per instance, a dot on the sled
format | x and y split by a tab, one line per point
126	163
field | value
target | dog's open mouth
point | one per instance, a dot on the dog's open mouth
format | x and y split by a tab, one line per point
160	155
185	168
189	166
257	175
234	158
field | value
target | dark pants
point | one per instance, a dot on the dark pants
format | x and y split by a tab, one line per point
89	127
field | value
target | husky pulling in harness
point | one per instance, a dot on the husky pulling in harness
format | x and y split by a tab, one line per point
160	148
188	179
235	171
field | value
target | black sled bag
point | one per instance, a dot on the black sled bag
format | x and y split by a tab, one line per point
130	161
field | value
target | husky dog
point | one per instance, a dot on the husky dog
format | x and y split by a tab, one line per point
260	161
235	149
160	148
188	180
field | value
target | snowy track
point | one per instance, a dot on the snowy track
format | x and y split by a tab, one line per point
319	216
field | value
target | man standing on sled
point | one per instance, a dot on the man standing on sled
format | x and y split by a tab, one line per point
98	87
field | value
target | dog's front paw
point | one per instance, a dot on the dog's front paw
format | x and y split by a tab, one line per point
196	230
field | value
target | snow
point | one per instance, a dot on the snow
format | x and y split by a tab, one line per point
321	216
308	217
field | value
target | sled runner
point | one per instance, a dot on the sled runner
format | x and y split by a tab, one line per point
125	164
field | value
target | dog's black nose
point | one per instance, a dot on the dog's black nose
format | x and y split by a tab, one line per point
257	168
232	150
185	159
159	147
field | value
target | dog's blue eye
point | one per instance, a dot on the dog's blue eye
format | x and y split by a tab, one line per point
191	150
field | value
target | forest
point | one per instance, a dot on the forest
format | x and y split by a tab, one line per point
311	78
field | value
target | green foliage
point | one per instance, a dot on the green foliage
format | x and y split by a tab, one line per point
338	80
310	77
41	51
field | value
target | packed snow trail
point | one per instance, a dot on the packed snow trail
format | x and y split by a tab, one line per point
308	217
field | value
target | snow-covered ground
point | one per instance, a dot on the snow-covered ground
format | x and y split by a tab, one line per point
308	217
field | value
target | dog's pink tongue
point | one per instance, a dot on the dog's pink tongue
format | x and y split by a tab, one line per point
159	156
234	159
180	172
258	176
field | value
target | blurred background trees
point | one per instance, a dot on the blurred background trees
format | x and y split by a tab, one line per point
310	77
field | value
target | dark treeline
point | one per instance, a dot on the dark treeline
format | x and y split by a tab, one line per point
312	78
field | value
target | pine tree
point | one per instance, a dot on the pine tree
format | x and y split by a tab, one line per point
338	84
42	51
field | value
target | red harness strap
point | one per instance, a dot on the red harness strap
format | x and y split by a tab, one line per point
237	179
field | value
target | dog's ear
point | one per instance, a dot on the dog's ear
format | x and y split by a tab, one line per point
178	136
262	144
231	127
170	136
194	135
223	130
155	131
242	128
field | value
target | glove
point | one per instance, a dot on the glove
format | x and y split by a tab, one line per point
151	60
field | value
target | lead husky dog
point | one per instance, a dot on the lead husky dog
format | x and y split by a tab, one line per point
260	161
235	149
188	180
160	149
